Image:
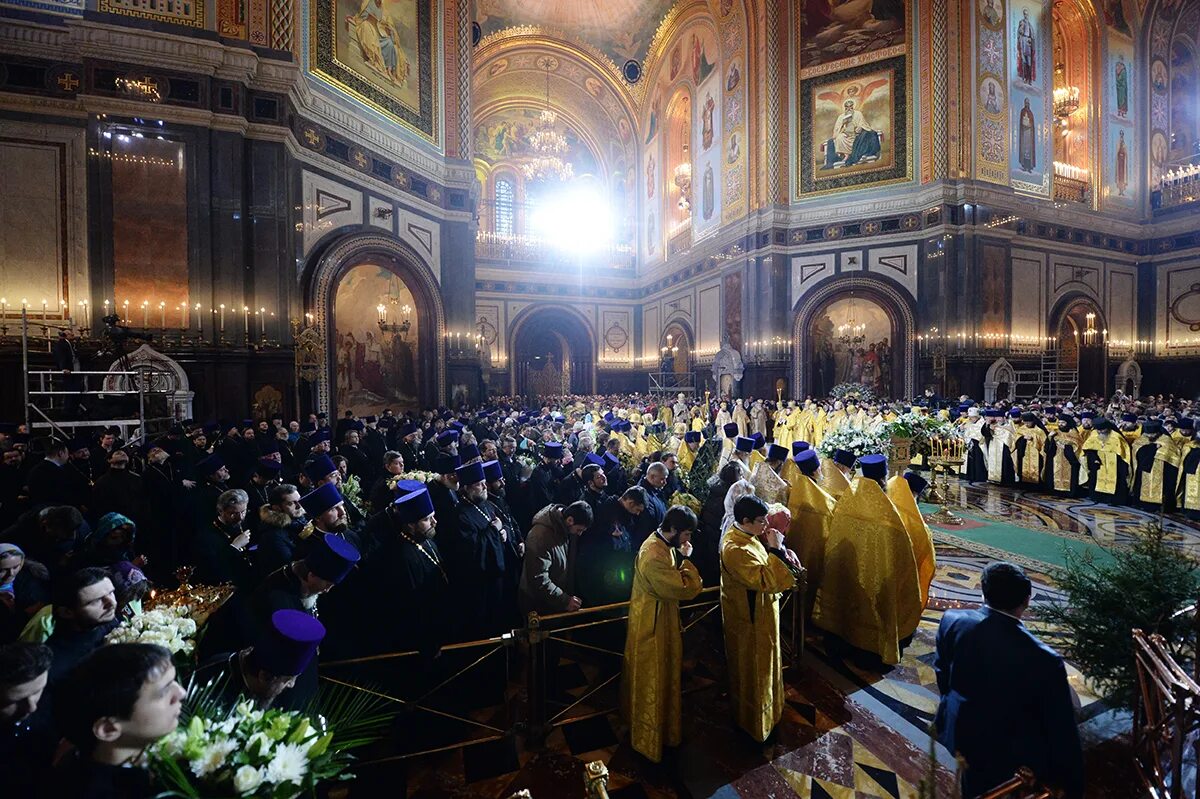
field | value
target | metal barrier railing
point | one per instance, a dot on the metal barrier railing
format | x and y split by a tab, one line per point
532	641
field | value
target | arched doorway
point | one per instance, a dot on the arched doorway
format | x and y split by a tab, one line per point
854	330
553	353
676	349
378	310
1081	334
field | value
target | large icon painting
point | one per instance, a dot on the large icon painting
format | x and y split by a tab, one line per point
374	367
381	53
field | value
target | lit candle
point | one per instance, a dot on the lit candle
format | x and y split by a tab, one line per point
381	309
162	315
199	318
246	317
262	324
3	306
43	309
309	317
146	313
87	315
182	317
222	317
125	313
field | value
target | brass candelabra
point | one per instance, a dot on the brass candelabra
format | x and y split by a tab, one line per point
946	453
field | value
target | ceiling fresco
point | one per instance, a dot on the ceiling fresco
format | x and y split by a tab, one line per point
621	29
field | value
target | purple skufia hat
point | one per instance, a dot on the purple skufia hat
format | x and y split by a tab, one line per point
290	643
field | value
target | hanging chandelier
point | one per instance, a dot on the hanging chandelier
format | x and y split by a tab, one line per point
1066	97
547	145
851	332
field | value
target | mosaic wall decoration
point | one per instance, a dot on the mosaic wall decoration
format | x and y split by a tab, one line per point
706	158
991	93
382	53
734	198
855	128
1030	92
1119	167
177	12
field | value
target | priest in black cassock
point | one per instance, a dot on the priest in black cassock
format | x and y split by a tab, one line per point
479	560
1156	461
543	483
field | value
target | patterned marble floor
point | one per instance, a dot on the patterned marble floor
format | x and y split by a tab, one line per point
848	731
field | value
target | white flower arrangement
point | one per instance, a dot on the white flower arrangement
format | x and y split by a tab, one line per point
248	753
171	627
859	442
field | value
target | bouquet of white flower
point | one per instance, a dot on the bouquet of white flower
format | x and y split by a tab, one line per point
415	474
272	754
171	627
351	490
860	442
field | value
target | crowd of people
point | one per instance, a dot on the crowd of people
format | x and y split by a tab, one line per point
456	525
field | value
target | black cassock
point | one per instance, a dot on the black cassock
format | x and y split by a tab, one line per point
1121	497
1072	458
479	568
976	464
543	487
1144	463
410	593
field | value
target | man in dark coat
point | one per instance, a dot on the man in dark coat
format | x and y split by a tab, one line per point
279	524
66	360
212	476
1005	700
543	483
52	482
408	447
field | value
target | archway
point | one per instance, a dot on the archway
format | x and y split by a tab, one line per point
1081	334
553	353
397	365
854	329
676	345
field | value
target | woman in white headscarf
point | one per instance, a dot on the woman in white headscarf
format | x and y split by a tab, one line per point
741	488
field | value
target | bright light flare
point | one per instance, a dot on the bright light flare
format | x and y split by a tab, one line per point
577	219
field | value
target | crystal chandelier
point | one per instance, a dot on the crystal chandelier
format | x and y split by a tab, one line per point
1066	98
547	144
683	180
851	332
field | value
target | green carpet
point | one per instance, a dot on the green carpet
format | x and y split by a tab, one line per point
1049	546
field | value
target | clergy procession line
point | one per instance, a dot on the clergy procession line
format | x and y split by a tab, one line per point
454	526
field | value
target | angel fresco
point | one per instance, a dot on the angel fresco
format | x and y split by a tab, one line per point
853	140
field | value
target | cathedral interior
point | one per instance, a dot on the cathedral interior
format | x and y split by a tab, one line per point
303	206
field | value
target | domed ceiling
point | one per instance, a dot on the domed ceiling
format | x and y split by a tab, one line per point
619	29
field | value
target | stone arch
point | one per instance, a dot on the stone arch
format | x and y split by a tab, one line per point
164	374
1001	373
1129	378
326	268
894	299
583	363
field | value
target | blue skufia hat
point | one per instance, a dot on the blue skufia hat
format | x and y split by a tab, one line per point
407	487
210	465
1129	417
844	457
730	430
744	444
332	557
468	452
873	466
608	417
759	440
456	426
1014	413
413	507
593	459
319	468
992	413
470	474
800	446
268	446
692	437
289	645
322	499
492	471
776	453
807	461
407	429
611	460
319	436
1187	423
269	466
445	464
553	450
916	483
447	437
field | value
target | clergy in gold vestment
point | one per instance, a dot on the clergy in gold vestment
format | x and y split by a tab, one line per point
870	594
1109	464
1028	448
686	455
903	492
812	513
833	479
752	578
651	702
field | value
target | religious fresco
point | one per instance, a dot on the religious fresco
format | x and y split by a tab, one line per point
991	103
1119	166
620	29
1182	92
381	53
733	199
854	127
504	136
732	297
706	158
843	33
850	341
1030	94
374	370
